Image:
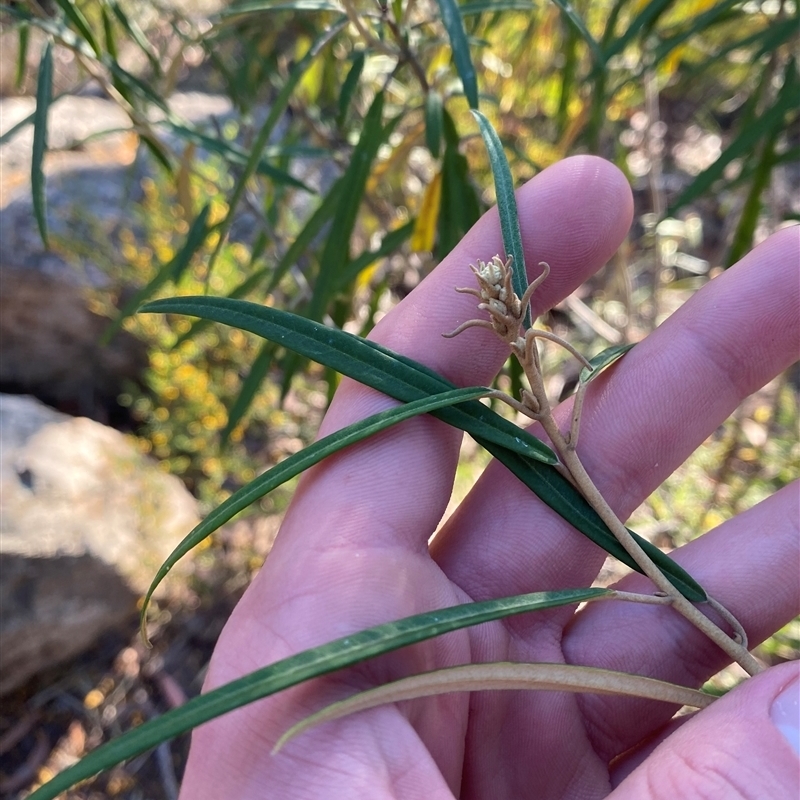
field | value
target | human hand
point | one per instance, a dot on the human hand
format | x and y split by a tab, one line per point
353	552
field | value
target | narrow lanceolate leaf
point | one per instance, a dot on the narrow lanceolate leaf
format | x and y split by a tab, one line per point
336	253
424	235
480	6
405	379
137	35
575	20
350	84
433	122
505	675
602	360
364	361
304	666
108	32
169	272
390	242
234	154
22	54
81	24
459	207
506	206
44	90
263	6
250	386
301	461
642	22
454	25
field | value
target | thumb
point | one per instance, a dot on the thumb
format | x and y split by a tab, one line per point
745	745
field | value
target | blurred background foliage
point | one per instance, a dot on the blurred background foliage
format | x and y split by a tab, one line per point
347	166
350	165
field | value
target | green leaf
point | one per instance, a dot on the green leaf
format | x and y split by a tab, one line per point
556	491
359	359
170	272
459	206
576	22
454	25
745	230
350	84
22	54
299	462
52	27
335	655
336	253
506	207
81	24
602	360
433	122
745	142
44	90
390	242
250	386
406	380
137	35
234	154
277	108
108	32
137	86
641	23
263	6
481	6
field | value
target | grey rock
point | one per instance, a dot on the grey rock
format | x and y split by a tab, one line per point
85	522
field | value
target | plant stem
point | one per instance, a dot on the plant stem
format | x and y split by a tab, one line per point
573	463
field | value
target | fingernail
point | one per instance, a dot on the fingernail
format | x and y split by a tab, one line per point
785	714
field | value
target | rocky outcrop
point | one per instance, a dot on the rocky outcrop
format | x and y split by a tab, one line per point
85	521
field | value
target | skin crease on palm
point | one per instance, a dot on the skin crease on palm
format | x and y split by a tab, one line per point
353	553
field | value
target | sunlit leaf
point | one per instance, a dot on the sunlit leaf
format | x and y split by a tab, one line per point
137	35
234	154
277	108
336	253
23	37
472	7
424	234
